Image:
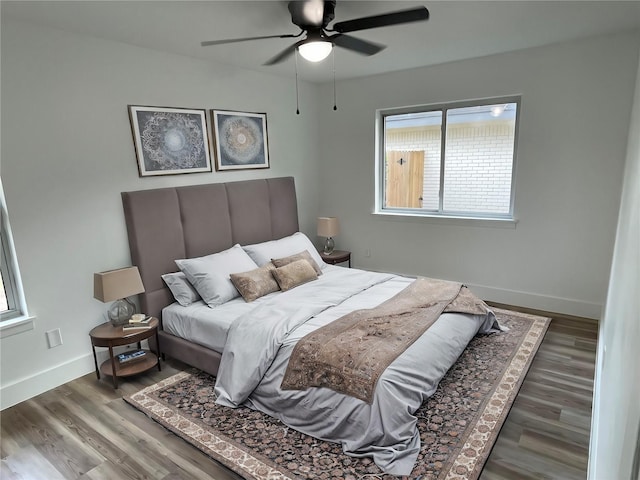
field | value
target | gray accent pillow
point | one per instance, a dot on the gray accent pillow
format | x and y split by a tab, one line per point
182	290
255	283
304	255
210	275
294	274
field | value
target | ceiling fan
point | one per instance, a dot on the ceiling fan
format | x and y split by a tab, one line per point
313	18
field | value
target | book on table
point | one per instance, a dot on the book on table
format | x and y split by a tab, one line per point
140	325
129	357
145	321
134	328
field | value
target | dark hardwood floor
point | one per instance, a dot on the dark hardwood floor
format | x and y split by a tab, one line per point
546	434
83	429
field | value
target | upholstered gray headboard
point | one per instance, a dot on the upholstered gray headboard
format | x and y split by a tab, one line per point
170	223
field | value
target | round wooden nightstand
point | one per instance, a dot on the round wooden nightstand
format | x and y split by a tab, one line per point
337	256
106	335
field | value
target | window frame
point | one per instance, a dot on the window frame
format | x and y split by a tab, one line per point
8	278
478	218
16	319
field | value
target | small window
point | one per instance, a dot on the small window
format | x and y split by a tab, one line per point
451	160
10	294
7	300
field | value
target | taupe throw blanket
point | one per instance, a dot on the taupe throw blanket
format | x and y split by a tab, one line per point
349	354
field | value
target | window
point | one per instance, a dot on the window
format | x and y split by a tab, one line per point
7	288
11	299
448	160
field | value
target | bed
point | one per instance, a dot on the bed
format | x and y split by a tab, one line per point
171	223
247	345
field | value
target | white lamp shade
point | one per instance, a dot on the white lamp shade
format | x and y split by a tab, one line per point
328	227
116	284
315	51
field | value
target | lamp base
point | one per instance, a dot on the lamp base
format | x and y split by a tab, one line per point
120	312
329	245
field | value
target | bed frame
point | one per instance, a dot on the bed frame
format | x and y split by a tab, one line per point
183	222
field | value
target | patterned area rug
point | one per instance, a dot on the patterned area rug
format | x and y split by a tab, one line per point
458	425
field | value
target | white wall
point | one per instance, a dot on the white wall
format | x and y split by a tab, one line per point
67	153
571	150
615	429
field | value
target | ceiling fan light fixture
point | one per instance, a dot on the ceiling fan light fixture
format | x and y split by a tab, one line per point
315	51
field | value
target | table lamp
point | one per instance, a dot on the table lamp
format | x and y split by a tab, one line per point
118	285
328	227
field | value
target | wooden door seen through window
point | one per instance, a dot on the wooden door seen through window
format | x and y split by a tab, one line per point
405	177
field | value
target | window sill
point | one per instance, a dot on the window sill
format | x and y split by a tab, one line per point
453	219
16	325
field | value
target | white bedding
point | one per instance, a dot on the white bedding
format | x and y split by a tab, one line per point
203	325
259	343
206	326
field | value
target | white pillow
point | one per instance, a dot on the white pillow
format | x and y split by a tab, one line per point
182	290
262	253
210	274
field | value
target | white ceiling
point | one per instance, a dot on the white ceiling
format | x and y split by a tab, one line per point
455	31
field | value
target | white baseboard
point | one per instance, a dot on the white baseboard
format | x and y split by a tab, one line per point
29	387
516	298
567	306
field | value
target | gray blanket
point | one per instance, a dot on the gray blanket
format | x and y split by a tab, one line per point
350	354
259	345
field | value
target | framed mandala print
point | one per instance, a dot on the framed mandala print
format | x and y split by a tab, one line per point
240	140
170	140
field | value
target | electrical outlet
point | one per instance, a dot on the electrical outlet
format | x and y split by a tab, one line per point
54	338
367	252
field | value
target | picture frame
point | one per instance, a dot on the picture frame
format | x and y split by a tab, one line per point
240	140
170	140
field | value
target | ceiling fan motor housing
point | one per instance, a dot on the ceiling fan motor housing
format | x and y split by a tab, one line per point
305	14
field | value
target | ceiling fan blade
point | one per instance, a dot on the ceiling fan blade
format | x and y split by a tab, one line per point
375	21
246	39
283	55
357	45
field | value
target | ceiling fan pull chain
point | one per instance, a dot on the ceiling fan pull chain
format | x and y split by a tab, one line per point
333	59
297	102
